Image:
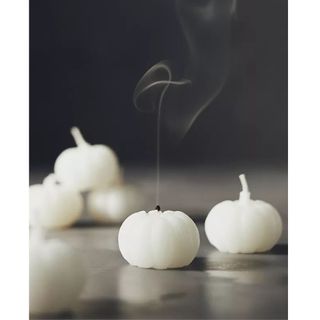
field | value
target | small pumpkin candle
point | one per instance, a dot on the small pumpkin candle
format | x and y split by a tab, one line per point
87	167
54	205
56	275
159	240
115	204
244	225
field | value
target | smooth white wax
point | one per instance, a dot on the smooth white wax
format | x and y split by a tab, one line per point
244	225
56	275
87	167
113	205
159	240
54	205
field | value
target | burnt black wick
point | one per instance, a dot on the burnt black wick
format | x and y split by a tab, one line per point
158	208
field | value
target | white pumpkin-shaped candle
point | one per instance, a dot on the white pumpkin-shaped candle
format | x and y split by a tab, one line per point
56	275
87	167
159	240
115	204
54	205
244	225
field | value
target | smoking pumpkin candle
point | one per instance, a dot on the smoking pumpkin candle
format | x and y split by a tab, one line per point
159	240
244	225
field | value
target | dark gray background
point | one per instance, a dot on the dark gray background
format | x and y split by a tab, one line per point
86	57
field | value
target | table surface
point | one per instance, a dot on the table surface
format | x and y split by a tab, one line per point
214	286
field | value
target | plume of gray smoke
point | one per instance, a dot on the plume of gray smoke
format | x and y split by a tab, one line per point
178	102
206	27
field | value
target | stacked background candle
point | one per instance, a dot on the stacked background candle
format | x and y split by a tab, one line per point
90	169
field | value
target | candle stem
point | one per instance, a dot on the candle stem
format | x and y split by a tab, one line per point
244	183
158	208
77	136
245	193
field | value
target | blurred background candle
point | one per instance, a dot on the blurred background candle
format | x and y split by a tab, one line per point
56	275
115	204
54	205
87	167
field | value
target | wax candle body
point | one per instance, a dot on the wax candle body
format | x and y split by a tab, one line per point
244	225
53	205
56	276
159	240
87	167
